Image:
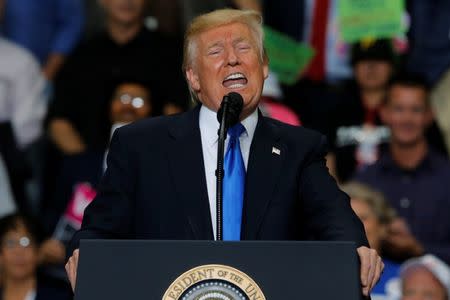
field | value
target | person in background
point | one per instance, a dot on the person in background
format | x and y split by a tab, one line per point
131	101
429	53
50	29
440	100
78	120
412	175
19	246
314	22
376	215
23	106
356	132
423	278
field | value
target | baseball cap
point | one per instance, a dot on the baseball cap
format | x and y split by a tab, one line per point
380	49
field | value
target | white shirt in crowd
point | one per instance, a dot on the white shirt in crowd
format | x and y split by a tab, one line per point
22	88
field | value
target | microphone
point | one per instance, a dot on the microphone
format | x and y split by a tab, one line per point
228	115
230	109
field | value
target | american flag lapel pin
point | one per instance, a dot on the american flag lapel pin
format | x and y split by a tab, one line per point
276	151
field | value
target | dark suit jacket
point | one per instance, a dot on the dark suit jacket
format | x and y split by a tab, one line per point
155	186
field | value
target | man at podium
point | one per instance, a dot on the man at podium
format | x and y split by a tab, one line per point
160	181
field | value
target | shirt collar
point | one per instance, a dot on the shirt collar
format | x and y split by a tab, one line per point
209	125
430	161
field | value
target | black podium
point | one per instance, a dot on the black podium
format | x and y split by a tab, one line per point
202	270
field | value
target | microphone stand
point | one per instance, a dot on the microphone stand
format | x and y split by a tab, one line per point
219	171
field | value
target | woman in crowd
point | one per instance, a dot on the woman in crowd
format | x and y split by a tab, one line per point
375	214
19	248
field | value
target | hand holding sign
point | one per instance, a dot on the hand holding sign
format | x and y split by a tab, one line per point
73	216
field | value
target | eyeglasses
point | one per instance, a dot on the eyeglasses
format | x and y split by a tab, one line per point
23	242
127	99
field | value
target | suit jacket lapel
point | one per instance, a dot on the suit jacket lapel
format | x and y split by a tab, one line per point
263	171
188	173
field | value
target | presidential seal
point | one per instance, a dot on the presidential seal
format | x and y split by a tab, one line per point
214	282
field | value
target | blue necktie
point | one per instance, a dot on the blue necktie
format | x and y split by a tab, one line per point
233	186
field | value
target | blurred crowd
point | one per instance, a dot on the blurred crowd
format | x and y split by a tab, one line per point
72	71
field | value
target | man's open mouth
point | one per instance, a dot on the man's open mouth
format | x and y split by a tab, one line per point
235	81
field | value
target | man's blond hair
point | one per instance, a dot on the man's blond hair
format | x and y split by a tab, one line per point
216	19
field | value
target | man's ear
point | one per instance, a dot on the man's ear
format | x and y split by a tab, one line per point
193	80
265	65
266	70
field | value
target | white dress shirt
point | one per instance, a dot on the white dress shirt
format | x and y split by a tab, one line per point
208	132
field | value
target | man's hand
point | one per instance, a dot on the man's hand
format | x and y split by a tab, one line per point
371	268
53	64
71	268
401	241
52	251
404	245
399	226
66	137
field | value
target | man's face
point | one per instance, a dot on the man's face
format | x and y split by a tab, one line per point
420	284
131	102
124	11
227	60
372	74
406	114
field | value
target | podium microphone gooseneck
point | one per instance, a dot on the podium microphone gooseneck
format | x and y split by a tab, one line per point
228	115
